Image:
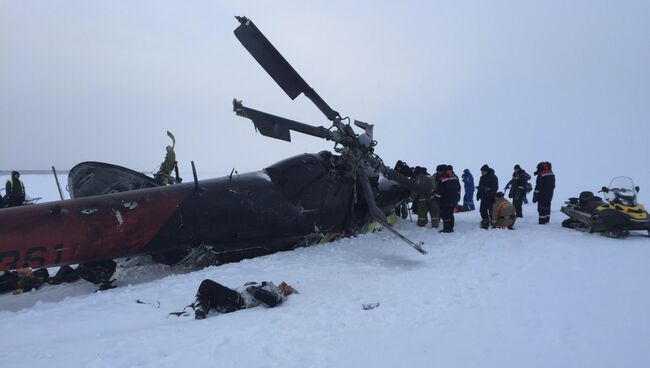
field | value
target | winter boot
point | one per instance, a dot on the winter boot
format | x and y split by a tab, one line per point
447	226
485	225
435	222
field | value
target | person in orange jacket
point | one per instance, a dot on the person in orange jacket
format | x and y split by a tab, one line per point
504	214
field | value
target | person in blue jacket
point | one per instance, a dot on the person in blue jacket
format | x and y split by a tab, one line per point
468	184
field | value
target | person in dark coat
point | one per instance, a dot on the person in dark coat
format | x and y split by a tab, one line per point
521	177
448	193
426	204
544	187
518	186
486	192
468	185
212	295
15	190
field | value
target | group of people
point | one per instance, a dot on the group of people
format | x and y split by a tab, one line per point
442	201
496	211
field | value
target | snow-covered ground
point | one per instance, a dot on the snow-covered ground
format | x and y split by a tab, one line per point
539	296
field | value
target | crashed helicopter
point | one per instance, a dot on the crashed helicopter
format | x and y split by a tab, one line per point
115	212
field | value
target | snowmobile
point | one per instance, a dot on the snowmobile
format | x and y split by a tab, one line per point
615	216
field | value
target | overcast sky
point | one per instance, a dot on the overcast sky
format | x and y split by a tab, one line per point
462	82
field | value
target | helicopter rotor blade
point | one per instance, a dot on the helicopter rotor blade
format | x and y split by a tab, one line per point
277	127
170	135
277	66
377	214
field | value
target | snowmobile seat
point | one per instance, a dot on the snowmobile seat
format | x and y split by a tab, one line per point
585	197
588	201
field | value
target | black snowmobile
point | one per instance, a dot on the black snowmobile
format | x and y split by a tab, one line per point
615	216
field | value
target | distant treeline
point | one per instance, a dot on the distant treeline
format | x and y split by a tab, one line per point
33	172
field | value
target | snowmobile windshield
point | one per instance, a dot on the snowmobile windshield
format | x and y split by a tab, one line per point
621	190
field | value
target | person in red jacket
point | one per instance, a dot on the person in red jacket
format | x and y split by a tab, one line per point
544	187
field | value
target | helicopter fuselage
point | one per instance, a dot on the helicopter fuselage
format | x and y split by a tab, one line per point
291	203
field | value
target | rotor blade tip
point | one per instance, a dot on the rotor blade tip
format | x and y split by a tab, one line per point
236	104
241	19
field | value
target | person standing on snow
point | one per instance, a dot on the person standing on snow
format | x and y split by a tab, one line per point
518	187
212	295
486	191
528	186
544	187
427	204
503	213
468	185
448	194
15	190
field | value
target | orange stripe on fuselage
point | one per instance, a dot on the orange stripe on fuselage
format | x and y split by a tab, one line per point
85	229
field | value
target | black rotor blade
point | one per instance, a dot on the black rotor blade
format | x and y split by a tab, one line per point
277	66
278	127
379	216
